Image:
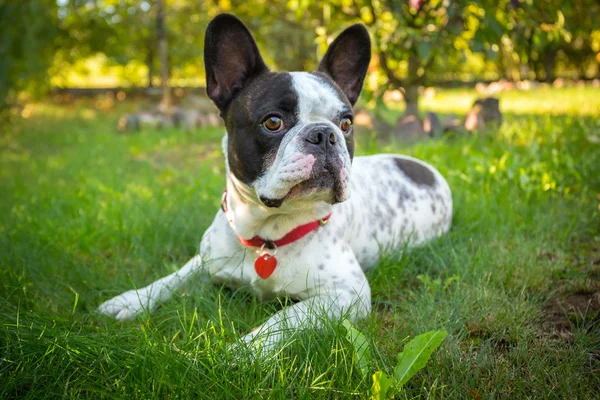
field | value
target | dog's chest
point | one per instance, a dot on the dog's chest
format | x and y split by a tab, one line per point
299	268
395	201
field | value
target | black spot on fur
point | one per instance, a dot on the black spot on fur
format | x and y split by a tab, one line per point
418	173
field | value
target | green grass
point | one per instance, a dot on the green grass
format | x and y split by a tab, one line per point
87	214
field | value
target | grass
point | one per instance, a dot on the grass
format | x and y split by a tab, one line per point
87	214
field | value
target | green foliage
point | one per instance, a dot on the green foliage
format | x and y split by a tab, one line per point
360	346
27	37
416	42
411	360
415	355
433	287
381	385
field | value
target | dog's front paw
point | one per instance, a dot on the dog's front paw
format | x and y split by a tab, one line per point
257	345
127	305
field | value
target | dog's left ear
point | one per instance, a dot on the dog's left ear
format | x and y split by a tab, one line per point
347	60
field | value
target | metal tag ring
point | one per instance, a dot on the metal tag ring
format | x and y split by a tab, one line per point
262	248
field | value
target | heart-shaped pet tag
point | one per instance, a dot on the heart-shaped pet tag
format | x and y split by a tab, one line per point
265	265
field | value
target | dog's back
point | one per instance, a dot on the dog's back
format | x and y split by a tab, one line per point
394	201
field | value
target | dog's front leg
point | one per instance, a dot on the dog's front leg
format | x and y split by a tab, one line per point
310	314
214	241
133	302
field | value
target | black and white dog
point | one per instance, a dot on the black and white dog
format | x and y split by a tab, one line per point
300	215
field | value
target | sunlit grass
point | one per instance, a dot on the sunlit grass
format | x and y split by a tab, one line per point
88	213
574	101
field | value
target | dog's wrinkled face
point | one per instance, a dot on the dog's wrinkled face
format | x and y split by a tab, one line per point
286	140
289	135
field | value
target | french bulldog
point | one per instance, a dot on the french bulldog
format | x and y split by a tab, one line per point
300	216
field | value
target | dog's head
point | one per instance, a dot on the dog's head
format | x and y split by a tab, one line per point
289	135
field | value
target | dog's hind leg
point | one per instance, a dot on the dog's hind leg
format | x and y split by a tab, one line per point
133	302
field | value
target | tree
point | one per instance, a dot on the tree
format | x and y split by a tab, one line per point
536	35
28	32
416	42
532	35
163	56
416	38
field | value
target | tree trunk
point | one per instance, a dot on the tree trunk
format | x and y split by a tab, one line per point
549	61
411	100
411	89
538	66
165	104
150	61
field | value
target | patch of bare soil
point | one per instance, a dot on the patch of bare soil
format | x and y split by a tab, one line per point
578	301
569	310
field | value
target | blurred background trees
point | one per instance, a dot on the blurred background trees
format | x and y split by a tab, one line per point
28	38
109	43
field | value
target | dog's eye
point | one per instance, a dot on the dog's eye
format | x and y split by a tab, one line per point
345	124
273	123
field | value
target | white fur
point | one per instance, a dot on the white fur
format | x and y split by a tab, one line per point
325	268
317	100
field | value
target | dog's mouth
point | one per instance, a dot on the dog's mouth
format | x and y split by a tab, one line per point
326	186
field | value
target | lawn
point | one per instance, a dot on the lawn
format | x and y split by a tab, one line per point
88	213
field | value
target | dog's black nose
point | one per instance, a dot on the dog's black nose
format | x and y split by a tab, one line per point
321	136
271	203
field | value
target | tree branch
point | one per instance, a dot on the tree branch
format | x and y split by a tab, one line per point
392	78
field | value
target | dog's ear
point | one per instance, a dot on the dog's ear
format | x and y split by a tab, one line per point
231	59
347	60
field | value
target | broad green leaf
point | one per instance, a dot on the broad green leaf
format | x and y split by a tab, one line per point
415	355
360	345
381	385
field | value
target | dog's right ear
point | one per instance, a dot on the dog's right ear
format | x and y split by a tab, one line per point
231	59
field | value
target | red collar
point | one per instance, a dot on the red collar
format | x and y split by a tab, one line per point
295	234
